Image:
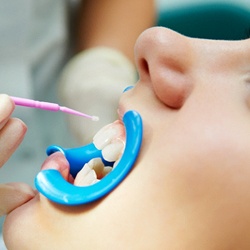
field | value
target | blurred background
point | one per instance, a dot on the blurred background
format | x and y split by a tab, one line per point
220	19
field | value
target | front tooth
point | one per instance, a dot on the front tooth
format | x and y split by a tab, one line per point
85	177
113	151
104	137
108	133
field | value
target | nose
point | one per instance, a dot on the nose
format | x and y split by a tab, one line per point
164	58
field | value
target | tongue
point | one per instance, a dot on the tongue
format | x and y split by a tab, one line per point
58	162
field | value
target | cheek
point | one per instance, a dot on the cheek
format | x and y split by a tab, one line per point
200	166
205	187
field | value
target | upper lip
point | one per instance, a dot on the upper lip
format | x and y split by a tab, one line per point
120	112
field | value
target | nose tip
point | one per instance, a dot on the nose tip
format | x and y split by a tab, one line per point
164	58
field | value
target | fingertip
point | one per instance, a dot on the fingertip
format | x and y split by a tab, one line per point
16	129
20	125
11	135
6	105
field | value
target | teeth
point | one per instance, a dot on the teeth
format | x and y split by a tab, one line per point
107	170
104	136
91	173
113	151
115	164
85	177
111	140
97	165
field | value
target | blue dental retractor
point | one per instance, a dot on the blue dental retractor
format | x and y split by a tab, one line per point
52	185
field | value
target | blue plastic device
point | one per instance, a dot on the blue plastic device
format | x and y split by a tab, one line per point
51	184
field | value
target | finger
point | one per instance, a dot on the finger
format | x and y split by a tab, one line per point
13	195
10	137
6	108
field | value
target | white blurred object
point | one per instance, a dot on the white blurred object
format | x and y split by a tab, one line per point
92	82
2	245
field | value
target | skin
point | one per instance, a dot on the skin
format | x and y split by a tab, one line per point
189	188
12	131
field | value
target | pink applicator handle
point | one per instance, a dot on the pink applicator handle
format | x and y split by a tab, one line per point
49	106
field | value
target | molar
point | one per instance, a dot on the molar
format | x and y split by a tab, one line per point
97	165
86	176
91	173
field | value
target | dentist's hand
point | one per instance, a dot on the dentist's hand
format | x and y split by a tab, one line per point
12	131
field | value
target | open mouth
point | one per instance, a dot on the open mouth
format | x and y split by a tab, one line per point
96	168
111	141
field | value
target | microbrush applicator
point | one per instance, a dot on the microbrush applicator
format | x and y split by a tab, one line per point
49	106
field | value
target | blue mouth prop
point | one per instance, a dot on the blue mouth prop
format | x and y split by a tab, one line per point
52	185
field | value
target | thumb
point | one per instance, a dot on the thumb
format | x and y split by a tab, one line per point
13	195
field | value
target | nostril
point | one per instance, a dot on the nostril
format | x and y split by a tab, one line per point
143	64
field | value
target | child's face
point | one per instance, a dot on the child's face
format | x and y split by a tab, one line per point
190	188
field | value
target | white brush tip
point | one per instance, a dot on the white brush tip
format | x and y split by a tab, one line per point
95	118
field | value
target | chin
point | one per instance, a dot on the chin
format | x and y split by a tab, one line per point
18	225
